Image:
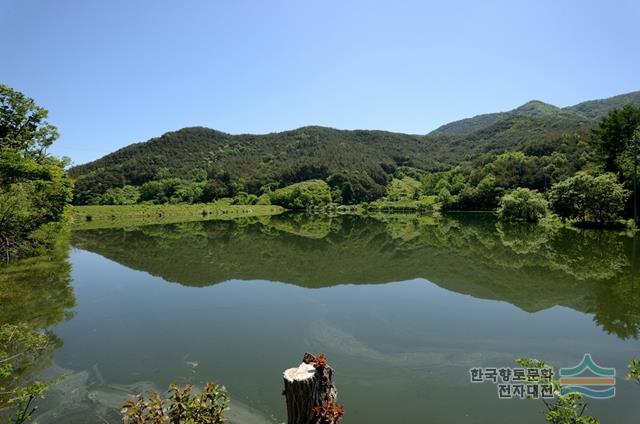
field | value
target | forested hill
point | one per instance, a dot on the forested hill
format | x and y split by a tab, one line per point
363	157
585	111
291	156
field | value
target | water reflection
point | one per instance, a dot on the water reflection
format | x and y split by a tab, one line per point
530	266
35	294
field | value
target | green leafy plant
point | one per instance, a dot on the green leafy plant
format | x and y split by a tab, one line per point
523	204
634	370
565	408
180	407
22	350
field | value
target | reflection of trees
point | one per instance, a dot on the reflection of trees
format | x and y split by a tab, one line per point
35	295
316	227
37	292
588	254
616	307
531	266
524	239
616	303
23	352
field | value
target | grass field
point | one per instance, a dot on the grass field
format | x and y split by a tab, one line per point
91	217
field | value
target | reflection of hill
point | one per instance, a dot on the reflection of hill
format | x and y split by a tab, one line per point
527	266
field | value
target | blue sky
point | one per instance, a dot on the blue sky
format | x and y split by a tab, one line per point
117	72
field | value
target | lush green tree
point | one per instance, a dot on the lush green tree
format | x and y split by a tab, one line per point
188	192
160	191
163	173
89	188
405	188
33	198
127	195
513	169
354	187
614	135
199	175
625	160
588	199
484	196
445	199
216	189
23	125
304	195
523	204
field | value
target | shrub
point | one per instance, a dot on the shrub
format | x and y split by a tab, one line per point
242	198
182	406
523	204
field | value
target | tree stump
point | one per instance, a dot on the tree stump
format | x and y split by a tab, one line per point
310	393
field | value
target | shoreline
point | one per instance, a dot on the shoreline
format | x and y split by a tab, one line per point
118	216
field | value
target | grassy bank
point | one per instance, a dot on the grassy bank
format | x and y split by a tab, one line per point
423	204
91	217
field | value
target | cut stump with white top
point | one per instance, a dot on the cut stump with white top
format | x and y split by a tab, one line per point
310	393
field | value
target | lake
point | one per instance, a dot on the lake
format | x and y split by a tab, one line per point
403	306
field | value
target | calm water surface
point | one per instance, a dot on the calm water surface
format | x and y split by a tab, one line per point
402	306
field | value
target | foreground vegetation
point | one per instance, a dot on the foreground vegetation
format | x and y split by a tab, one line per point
564	408
570	408
180	407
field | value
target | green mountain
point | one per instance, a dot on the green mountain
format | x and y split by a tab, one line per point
585	111
255	160
367	159
596	109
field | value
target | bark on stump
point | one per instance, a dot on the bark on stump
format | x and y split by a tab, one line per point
310	393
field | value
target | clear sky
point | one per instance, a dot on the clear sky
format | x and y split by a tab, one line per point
115	72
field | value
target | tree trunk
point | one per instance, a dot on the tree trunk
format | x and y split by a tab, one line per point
310	393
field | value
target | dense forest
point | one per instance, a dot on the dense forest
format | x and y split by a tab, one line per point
512	162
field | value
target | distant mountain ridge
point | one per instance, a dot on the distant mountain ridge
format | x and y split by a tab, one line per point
366	158
585	111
